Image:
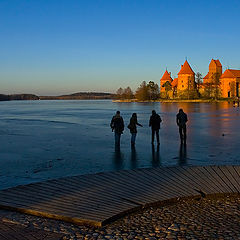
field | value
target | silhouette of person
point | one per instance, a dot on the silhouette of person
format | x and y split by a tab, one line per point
154	123
133	128
182	119
117	125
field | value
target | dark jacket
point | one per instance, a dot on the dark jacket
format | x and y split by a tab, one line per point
155	121
133	125
117	124
181	119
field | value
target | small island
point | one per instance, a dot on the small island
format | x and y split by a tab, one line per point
188	86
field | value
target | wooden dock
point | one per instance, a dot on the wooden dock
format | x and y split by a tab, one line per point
98	199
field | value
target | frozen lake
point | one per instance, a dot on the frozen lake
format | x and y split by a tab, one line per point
42	140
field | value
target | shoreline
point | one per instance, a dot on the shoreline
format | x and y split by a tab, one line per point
174	101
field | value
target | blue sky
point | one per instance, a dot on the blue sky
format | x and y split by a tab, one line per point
52	47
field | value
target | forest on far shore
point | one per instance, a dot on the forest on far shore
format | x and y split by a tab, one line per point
145	92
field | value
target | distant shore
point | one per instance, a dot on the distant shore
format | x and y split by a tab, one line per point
74	96
103	96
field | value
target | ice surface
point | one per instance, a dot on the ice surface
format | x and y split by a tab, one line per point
42	140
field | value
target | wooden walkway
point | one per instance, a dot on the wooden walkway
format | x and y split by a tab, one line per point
100	198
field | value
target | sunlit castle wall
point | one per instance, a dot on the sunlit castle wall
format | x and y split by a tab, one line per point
185	82
227	87
230	83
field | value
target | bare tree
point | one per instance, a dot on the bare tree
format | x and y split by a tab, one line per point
199	79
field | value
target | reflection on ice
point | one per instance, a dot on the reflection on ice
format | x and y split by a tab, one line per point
182	154
156	160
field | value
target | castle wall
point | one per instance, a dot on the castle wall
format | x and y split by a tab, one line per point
185	82
229	87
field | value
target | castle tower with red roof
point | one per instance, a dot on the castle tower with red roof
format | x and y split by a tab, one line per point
215	70
166	77
186	78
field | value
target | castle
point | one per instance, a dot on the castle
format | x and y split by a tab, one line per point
227	83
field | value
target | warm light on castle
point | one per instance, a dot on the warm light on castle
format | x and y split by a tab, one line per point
215	83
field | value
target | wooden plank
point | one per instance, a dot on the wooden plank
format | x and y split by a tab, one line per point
81	198
117	186
67	205
237	170
216	174
229	179
208	178
186	178
76	195
125	182
56	214
149	186
163	182
203	185
235	176
224	178
167	176
83	211
160	184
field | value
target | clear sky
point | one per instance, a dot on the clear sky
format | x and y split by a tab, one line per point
51	47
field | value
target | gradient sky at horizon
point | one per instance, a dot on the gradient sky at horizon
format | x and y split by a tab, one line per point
63	46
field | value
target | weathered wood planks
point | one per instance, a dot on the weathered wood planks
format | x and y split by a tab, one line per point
99	198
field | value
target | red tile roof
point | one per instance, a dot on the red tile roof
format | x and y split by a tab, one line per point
186	69
207	76
217	62
174	82
231	73
166	76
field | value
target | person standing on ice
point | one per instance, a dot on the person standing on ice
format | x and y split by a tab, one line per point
117	125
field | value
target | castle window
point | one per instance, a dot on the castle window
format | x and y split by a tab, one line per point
182	81
183	86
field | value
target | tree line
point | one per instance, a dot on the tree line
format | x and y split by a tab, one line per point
146	91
